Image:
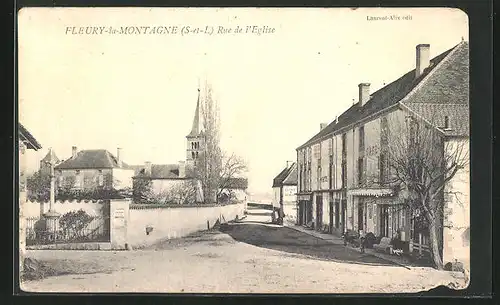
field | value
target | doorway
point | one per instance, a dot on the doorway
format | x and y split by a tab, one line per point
319	212
343	215
331	216
337	210
361	214
384	220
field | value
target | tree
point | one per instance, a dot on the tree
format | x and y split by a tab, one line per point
232	167
421	161
214	168
142	190
38	187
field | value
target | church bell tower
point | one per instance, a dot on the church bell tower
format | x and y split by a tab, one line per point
195	140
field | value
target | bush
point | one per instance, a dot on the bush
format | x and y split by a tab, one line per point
74	223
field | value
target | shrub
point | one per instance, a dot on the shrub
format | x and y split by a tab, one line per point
74	223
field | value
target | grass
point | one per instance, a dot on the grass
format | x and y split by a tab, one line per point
37	270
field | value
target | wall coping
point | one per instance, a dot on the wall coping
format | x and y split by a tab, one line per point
151	206
73	201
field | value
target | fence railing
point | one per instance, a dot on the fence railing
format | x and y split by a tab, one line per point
96	230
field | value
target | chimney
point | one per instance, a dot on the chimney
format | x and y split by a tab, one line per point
147	168
422	59
119	155
322	126
182	169
288	164
74	150
364	93
336	120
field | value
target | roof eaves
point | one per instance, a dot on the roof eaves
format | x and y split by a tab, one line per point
28	136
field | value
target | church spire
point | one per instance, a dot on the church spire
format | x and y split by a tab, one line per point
196	128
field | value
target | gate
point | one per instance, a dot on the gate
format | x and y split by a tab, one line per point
96	229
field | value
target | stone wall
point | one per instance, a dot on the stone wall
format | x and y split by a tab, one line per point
174	222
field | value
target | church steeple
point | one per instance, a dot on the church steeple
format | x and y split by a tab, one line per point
196	128
194	139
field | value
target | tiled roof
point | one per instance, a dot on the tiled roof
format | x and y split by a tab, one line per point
28	138
92	158
288	176
446	94
385	97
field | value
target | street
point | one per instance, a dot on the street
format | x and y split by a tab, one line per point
252	256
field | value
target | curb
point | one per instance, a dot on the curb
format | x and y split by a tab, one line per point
354	249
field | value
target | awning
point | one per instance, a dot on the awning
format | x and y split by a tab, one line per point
303	197
381	192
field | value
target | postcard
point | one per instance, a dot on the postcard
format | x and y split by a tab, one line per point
243	150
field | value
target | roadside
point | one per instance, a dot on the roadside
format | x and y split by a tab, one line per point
247	257
398	260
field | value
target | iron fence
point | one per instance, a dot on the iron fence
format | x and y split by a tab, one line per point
37	232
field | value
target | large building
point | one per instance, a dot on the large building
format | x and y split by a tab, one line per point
344	180
93	169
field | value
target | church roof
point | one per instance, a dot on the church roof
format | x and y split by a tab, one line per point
196	129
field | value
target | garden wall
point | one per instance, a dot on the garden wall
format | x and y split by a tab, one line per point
36	209
174	221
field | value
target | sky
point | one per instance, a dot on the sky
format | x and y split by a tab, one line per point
138	91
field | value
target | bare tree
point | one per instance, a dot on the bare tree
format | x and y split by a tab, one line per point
420	161
232	167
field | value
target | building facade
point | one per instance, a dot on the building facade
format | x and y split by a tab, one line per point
285	191
344	177
96	169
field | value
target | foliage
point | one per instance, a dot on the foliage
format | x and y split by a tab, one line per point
38	187
74	223
93	194
142	190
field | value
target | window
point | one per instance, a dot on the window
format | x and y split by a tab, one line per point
383	169
100	179
78	179
319	177
361	140
344	146
196	155
414	133
360	171
192	155
344	174
384	134
446	122
60	178
331	172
